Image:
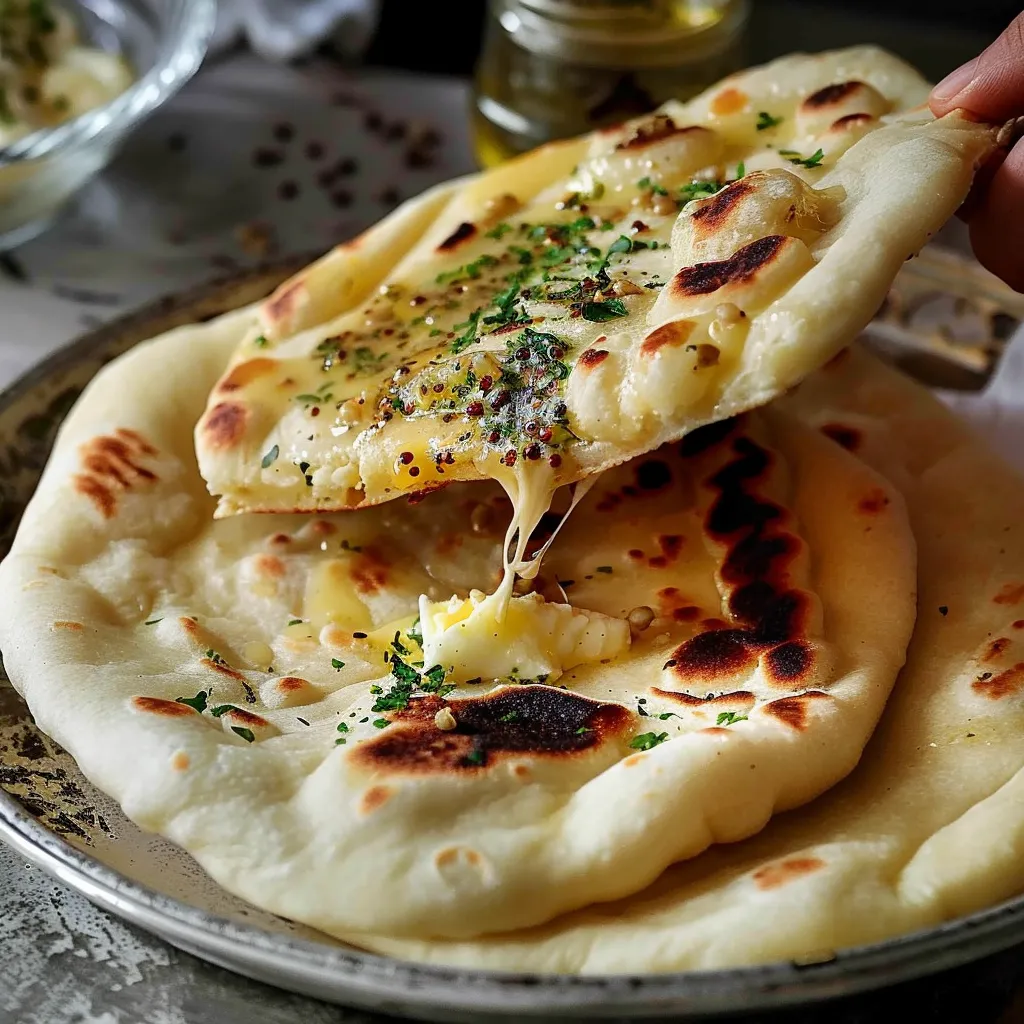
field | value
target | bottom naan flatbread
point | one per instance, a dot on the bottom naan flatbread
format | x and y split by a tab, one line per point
931	824
253	688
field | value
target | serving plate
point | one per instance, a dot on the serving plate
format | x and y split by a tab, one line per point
53	817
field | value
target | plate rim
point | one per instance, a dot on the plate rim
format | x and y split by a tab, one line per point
385	983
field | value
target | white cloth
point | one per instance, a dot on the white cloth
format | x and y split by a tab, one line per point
285	29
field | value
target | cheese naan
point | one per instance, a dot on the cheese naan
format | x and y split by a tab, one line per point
312	706
595	299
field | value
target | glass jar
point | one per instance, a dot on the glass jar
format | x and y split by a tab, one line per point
550	69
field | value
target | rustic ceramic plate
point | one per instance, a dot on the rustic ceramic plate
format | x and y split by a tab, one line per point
58	821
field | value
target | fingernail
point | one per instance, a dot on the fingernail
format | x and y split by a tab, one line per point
955	82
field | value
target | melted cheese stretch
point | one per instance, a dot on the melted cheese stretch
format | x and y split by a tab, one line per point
533	639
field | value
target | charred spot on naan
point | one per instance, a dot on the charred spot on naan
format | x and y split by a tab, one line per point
737	699
670	335
713	214
874	502
113	464
539	721
281	309
224	425
592	357
463	233
370	571
159	706
705	438
770	618
832	95
244	374
792	711
741	267
996	686
772	876
655	129
1010	593
846	437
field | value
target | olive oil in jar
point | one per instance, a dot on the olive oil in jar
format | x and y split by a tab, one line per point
550	69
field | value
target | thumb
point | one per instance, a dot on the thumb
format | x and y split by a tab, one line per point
991	86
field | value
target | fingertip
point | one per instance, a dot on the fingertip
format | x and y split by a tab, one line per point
997	221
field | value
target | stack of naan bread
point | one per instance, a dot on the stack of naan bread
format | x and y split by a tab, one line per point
696	554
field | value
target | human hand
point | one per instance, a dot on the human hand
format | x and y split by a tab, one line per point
992	88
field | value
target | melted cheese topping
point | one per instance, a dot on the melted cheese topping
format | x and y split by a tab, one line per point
529	639
47	75
614	303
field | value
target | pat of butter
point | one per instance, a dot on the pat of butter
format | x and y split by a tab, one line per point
534	638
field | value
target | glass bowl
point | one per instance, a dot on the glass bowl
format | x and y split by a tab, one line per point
164	41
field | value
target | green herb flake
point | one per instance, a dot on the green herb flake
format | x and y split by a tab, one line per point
153	622
246	734
476	757
340	741
381	723
295	622
700	189
342	727
602	312
795	158
499	230
196	703
653	186
222	709
741	169
271	457
337	665
604	568
260	341
648	740
765	120
730	718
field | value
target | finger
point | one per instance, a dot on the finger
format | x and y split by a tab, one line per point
992	85
997	221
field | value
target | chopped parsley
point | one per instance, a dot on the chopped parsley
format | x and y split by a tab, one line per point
271	457
795	158
246	734
365	360
342	727
470	270
337	665
730	718
652	186
666	715
295	622
196	703
468	327
214	656
604	568
500	230
380	723
222	709
602	312
765	120
511	716
647	740
700	189
741	169
260	341
153	622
